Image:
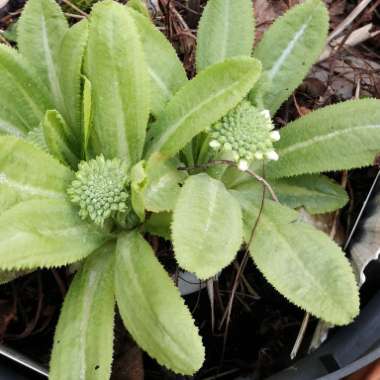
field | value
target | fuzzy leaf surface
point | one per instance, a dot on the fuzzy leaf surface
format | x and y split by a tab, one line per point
163	186
152	309
201	102
86	115
302	263
27	173
69	70
316	193
166	72
338	137
40	31
290	47
57	136
140	7
226	30
119	77
84	335
45	233
159	224
207	228
23	100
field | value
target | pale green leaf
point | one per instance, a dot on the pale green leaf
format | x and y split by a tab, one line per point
69	70
225	30
338	137
58	137
163	186
139	6
207	228
87	115
316	193
23	100
166	72
45	233
159	225
289	48
26	173
40	31
138	180
302	263
201	102
152	309
83	342
118	74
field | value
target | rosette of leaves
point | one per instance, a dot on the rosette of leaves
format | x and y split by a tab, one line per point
219	207
75	176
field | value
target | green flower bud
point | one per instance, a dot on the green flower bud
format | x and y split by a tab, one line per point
247	133
99	188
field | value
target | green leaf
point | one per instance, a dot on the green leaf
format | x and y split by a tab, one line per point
26	173
118	73
207	228
40	31
338	137
152	309
316	193
87	115
23	100
57	136
302	263
225	30
289	48
139	6
138	180
201	102
159	225
166	72
69	70
45	233
164	182
83	342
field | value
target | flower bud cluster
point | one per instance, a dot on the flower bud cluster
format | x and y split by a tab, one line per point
99	188
247	133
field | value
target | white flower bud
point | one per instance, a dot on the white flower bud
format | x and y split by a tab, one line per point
272	155
275	135
243	165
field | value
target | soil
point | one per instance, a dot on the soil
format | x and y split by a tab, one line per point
263	325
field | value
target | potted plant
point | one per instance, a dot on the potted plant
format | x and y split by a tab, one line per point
105	139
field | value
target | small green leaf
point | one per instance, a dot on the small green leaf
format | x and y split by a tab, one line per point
338	137
57	136
45	233
23	100
201	102
225	30
26	173
302	263
116	68
139	6
166	72
152	309
87	115
316	193
138	179
83	342
164	182
289	48
69	70
40	31
159	225
207	228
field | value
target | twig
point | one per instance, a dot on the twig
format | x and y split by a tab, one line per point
349	19
232	164
300	336
73	6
